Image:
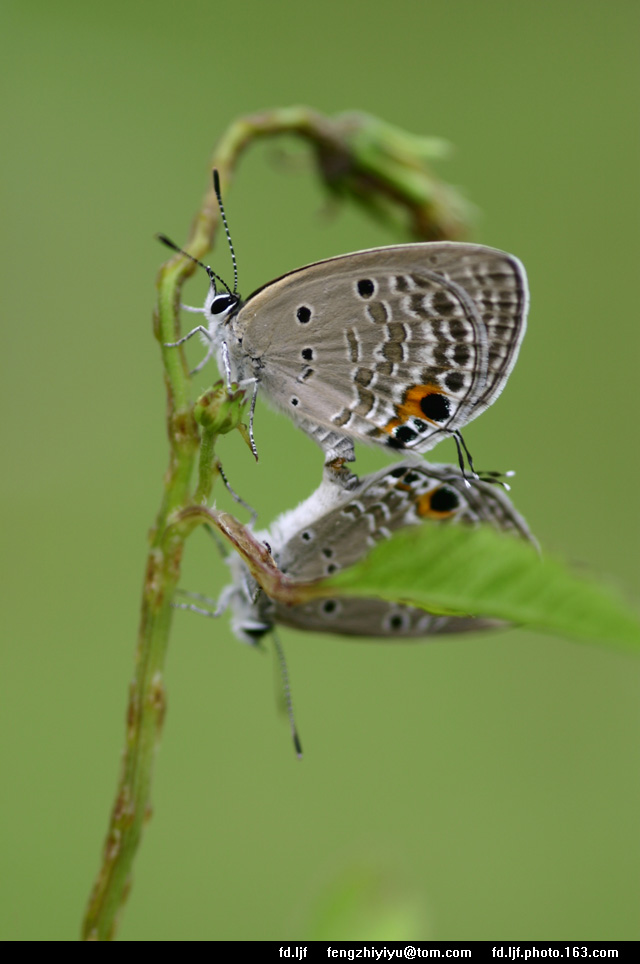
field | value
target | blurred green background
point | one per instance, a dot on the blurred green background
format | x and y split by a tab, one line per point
482	787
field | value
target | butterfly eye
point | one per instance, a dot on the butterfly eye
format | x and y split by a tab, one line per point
221	304
254	633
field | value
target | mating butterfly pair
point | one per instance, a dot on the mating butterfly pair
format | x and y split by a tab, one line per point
398	346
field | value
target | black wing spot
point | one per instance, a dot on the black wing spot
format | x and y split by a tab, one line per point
435	407
366	287
461	354
395	443
454	381
444	500
406	434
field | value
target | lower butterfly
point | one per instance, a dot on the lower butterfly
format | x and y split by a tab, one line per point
335	528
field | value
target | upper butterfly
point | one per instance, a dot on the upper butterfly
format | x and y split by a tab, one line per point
397	346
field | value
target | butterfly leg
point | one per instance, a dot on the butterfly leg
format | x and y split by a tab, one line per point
210	353
212	603
192	608
462	451
224	351
218	607
251	414
234	495
194	331
199	329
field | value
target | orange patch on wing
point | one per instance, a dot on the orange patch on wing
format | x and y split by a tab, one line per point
410	405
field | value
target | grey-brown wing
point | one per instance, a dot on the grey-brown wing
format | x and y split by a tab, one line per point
353	616
384	502
392	345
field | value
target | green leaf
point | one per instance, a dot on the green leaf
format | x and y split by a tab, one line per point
481	572
368	903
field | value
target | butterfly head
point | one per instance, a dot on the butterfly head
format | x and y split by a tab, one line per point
219	306
251	609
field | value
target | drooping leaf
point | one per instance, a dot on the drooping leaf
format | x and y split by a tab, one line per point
482	572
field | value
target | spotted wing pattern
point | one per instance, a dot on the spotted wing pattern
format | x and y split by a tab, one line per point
393	346
334	529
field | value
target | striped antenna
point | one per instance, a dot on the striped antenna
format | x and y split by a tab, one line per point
216	188
286	692
212	275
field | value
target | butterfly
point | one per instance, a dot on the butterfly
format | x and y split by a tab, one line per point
335	528
398	346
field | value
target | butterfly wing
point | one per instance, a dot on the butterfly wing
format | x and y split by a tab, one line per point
353	616
383	503
344	532
497	284
393	345
334	529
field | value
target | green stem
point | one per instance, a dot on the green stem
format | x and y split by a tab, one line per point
206	467
147	694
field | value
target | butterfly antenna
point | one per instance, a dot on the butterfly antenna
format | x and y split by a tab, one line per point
286	689
213	277
216	188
